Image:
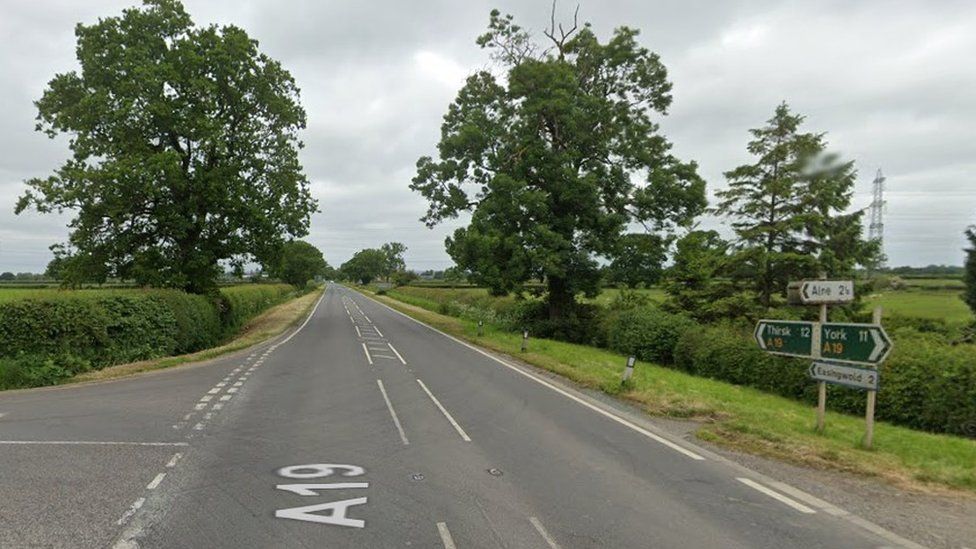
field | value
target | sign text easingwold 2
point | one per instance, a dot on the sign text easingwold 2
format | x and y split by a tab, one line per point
842	374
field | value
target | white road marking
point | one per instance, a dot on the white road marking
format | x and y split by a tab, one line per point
310	489
358	333
775	495
566	394
232	390
198	426
369	358
155	482
225	398
131	511
542	532
221	384
188	416
94	442
309	317
366	317
437	403
384	356
238	384
446	536
206	398
217	405
390	345
213	391
809	499
337	513
396	420
377	329
172	461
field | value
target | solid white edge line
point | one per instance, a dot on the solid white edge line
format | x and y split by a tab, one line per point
437	403
542	532
390	345
94	443
369	358
393	414
155	482
446	538
775	495
566	394
808	498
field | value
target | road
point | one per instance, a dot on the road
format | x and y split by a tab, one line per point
364	428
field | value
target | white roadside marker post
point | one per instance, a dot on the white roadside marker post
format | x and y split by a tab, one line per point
525	340
872	396
628	370
481	326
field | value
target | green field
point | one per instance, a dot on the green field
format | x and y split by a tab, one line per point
943	304
13	294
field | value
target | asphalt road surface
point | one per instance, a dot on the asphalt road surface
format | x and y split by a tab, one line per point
364	428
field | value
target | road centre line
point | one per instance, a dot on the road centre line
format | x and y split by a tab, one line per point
446	538
136	505
578	400
369	358
542	532
390	345
155	482
396	420
358	333
437	403
378	332
775	495
172	461
92	443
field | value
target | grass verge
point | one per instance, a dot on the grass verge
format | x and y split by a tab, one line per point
741	418
266	325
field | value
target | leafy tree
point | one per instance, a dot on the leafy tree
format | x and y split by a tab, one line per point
786	210
7	276
299	262
697	281
365	266
970	274
402	278
394	258
184	149
639	260
554	159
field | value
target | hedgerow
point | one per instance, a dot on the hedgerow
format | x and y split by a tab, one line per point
47	338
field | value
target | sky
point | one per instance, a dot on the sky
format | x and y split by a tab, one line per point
891	82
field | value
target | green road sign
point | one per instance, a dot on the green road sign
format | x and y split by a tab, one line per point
785	337
857	343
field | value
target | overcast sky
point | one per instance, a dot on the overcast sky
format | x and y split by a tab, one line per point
891	82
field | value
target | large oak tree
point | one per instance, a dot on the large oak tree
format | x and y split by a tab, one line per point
554	157
184	145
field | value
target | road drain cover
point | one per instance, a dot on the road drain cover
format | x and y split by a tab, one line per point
495	472
417	477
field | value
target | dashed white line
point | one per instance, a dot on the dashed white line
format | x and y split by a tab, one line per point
131	511
775	495
377	329
446	538
542	532
369	358
225	398
396	420
155	482
390	345
358	334
172	461
437	403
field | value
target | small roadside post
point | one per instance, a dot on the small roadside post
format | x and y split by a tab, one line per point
628	370
481	327
843	353
525	340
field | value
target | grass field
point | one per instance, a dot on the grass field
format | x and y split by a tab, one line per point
13	294
920	303
739	417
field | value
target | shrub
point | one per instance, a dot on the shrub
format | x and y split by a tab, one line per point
647	332
239	304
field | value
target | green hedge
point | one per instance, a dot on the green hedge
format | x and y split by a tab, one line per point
646	332
46	338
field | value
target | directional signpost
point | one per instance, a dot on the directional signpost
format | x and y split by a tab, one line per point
785	337
830	343
815	292
855	343
840	374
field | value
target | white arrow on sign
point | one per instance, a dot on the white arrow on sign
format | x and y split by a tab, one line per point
827	291
851	376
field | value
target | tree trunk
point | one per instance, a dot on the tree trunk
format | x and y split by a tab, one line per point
561	299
